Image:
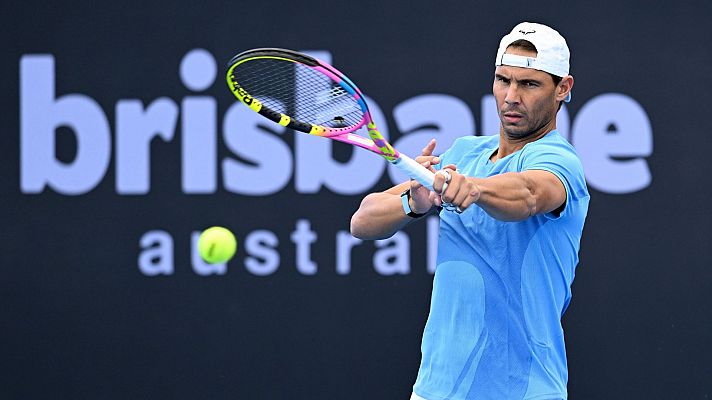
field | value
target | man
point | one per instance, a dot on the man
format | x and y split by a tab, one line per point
512	209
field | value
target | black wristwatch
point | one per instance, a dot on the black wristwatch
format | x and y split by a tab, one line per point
405	199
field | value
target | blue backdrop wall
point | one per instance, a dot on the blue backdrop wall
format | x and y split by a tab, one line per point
120	142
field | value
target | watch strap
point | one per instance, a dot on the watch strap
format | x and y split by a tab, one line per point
405	200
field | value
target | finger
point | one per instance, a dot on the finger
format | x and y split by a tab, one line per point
435	199
450	169
471	195
428	164
453	187
428	149
442	177
466	203
430	159
448	178
462	195
447	174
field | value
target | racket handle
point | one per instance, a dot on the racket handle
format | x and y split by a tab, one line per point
416	171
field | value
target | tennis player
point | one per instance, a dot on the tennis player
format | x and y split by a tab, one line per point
511	218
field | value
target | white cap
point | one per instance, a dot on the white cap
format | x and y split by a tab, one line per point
552	53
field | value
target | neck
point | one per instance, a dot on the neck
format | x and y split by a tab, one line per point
509	145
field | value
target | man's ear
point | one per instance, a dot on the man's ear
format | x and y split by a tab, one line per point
564	87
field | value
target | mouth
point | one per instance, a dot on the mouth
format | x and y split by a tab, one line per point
512	117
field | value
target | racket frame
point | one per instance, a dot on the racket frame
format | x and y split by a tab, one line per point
377	144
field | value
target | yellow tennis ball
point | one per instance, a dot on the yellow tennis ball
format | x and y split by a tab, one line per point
217	245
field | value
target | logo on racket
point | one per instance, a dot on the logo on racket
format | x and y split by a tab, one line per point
241	93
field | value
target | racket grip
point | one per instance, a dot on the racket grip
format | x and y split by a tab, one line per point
416	171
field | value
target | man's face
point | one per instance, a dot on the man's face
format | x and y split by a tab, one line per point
526	99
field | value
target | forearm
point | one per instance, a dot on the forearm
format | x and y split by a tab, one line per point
380	215
507	197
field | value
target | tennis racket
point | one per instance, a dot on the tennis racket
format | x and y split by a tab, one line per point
307	95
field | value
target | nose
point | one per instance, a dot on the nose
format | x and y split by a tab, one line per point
512	96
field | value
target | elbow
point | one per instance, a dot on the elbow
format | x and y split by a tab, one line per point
361	229
361	226
372	220
357	226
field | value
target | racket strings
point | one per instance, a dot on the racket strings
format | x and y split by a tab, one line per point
299	91
269	82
